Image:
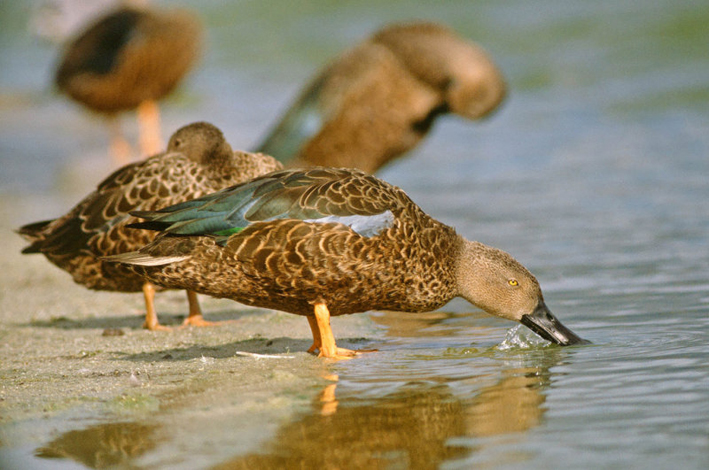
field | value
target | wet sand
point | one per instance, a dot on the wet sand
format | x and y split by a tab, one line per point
73	359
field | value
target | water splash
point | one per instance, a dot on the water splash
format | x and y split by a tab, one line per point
520	337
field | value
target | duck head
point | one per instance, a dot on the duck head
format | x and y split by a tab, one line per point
201	142
498	284
469	82
475	85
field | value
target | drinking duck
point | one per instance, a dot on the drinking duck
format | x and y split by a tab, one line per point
323	242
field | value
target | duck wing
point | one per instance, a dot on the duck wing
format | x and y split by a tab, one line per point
319	195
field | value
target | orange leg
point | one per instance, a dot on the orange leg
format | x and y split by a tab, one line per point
121	150
195	317
151	316
149	124
327	347
317	341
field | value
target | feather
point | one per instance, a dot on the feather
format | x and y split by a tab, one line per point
143	259
366	226
319	195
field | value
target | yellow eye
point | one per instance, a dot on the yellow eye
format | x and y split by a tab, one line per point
513	282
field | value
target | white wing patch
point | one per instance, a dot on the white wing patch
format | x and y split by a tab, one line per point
365	225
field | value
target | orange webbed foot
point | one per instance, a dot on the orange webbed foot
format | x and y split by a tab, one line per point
344	354
198	320
340	354
155	326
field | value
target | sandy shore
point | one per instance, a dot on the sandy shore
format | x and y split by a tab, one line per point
71	357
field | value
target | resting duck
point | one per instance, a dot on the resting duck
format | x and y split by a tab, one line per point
379	99
198	161
129	59
324	242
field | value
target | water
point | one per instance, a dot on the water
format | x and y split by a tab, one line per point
594	175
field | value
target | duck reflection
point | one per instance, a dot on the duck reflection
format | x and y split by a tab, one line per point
514	404
410	428
103	445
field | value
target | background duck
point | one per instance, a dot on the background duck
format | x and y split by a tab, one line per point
198	161
379	99
128	59
324	242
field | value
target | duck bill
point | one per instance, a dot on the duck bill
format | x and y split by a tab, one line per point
546	325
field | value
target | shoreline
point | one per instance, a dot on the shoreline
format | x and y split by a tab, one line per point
75	359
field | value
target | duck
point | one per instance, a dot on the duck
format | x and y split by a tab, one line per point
128	59
379	99
198	161
323	242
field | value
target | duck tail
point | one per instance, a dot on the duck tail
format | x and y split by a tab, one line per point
33	233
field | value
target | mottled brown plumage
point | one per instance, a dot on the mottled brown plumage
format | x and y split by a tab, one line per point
198	161
128	59
305	241
379	99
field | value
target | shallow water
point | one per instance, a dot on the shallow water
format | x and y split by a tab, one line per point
594	175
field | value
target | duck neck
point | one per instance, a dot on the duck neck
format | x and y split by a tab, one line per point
470	262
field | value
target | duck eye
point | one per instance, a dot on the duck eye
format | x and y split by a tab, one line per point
513	282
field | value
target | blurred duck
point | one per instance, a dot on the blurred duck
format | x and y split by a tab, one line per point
324	242
198	161
128	59
379	99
